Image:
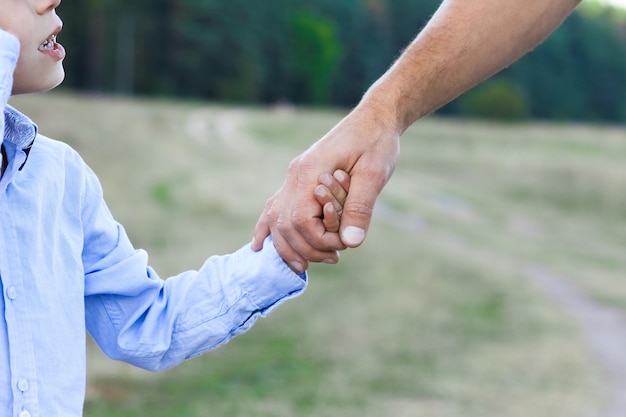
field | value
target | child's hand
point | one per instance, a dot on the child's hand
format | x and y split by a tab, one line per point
331	194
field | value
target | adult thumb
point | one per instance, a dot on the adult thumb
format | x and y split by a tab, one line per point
357	212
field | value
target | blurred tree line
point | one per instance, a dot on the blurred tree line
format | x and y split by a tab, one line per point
327	52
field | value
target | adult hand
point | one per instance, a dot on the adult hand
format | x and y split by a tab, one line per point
363	144
465	42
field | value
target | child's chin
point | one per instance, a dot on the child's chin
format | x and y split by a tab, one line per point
40	87
56	80
50	84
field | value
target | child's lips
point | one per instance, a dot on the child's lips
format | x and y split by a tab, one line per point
52	48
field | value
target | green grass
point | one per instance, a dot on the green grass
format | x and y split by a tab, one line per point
433	316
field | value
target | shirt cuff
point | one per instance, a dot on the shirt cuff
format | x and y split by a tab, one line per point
265	277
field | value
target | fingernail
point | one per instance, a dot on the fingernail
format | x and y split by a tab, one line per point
353	236
339	175
329	261
326	179
322	191
297	266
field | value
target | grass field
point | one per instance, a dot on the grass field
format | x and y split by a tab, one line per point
433	316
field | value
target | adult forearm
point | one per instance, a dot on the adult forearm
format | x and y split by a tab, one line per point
464	43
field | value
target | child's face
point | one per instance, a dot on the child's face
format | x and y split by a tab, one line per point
36	24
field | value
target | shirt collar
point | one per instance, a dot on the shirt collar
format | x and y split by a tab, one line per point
18	129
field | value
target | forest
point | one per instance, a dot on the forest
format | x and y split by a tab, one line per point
326	53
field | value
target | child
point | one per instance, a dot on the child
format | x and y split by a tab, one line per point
65	264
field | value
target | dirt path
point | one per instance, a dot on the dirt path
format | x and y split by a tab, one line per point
605	330
604	327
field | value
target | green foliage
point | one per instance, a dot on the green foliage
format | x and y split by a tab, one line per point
499	99
325	52
315	52
579	72
162	194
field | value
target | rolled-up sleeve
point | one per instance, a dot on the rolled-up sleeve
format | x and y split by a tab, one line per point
139	318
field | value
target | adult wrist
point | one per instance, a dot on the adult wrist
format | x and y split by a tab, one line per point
390	106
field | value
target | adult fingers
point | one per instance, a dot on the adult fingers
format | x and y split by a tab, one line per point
289	243
365	186
357	214
303	228
295	250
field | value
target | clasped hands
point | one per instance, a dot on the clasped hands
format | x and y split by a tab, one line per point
314	215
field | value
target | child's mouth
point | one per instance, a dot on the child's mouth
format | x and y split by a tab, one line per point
48	44
52	48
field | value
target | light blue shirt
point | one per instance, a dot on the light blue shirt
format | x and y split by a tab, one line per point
67	265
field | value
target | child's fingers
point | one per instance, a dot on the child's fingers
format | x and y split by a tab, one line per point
335	186
331	194
344	180
331	218
324	196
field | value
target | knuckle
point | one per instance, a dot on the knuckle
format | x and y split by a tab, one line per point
299	222
292	168
358	208
377	175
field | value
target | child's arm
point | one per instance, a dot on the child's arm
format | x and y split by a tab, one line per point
331	194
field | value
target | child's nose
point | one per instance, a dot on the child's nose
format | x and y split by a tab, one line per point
44	6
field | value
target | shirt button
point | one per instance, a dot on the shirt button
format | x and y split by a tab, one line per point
23	385
12	293
24	413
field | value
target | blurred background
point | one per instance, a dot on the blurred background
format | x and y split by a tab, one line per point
492	280
327	52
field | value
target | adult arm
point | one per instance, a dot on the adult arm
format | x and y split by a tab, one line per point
465	42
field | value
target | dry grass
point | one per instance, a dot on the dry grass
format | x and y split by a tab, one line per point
433	316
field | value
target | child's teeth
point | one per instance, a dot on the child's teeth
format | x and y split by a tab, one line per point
49	43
